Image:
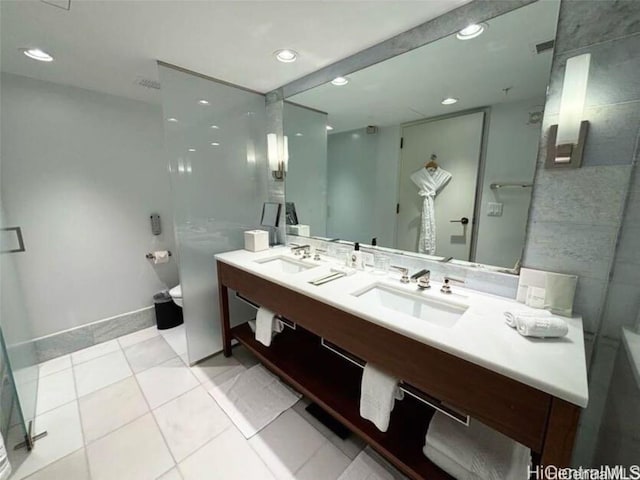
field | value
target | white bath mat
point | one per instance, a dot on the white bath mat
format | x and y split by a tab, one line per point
253	399
368	466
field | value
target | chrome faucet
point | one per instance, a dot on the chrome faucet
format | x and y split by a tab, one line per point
422	279
304	249
446	288
404	271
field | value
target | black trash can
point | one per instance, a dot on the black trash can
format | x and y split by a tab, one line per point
168	314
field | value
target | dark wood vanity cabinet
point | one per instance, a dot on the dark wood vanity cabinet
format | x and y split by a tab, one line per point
544	423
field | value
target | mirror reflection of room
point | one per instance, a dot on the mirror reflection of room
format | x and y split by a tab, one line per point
406	156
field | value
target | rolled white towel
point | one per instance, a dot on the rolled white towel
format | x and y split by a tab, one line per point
476	452
542	327
510	316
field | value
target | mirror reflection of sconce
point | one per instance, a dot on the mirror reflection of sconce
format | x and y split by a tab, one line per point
566	141
278	155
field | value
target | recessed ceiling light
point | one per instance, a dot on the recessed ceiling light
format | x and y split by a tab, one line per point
192	149
329	127
214	144
215	127
472	31
298	134
286	55
172	119
339	81
449	101
203	102
37	54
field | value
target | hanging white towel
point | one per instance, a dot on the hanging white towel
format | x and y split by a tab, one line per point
476	452
429	183
5	466
511	316
378	394
266	325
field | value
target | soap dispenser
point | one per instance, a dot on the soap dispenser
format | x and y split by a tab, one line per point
356	258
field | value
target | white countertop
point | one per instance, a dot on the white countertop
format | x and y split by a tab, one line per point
554	366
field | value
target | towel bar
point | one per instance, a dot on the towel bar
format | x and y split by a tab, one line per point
405	387
285	321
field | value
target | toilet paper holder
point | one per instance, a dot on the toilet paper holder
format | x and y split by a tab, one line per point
151	256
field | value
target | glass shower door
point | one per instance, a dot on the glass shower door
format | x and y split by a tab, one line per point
19	388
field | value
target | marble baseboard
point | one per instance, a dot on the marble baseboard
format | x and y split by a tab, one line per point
69	341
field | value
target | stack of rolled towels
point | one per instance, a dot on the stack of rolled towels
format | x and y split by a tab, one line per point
476	452
536	323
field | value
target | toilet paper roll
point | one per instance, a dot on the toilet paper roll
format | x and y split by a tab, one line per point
160	256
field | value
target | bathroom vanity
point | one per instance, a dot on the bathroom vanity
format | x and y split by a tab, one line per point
452	352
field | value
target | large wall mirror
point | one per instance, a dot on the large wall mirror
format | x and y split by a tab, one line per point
432	151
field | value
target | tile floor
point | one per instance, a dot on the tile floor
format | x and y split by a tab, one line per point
132	409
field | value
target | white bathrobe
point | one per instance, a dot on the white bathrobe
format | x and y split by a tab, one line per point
429	182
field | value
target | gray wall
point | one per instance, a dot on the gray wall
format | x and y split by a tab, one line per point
306	183
619	439
81	172
362	185
576	215
512	146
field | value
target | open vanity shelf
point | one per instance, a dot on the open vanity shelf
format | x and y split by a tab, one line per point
544	423
334	383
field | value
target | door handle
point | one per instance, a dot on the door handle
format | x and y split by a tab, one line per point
18	231
463	221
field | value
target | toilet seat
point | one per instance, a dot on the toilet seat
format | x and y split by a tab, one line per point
176	294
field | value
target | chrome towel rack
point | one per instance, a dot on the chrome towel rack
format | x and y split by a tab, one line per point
285	321
496	186
405	387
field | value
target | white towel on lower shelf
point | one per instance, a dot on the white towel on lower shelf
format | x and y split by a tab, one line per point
511	316
5	466
378	394
266	325
476	452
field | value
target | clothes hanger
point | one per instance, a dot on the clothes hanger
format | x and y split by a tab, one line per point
432	163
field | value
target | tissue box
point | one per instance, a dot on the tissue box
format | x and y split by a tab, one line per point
256	240
549	290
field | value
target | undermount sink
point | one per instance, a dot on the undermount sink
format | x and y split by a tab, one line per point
442	312
284	264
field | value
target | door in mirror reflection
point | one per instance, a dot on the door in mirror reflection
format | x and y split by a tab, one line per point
439	165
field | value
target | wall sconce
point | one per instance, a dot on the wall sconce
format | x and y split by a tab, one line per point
565	146
278	156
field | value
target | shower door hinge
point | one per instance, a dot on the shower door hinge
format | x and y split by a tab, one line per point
401	142
397	208
30	439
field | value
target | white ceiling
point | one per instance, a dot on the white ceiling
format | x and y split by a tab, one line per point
411	86
105	45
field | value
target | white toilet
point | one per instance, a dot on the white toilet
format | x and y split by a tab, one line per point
176	295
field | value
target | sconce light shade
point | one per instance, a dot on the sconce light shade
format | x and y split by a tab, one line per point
272	151
285	155
566	140
574	92
278	156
